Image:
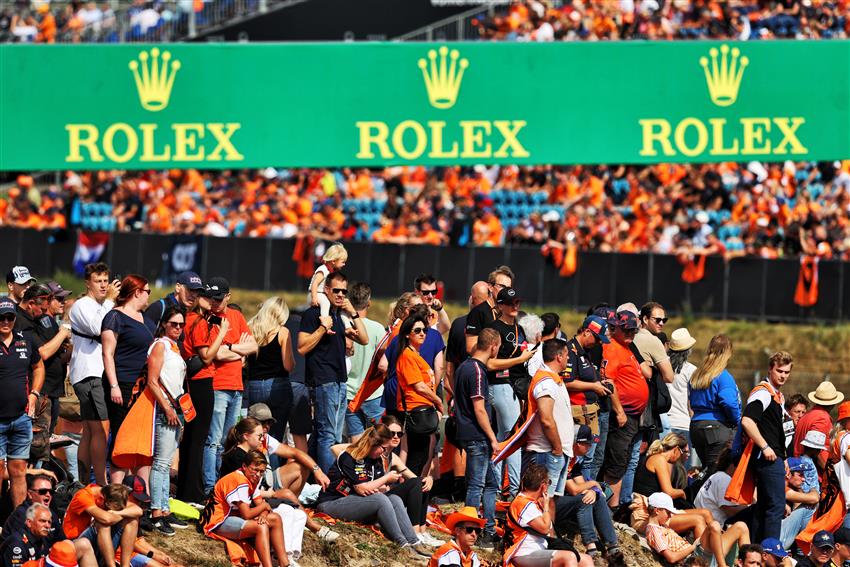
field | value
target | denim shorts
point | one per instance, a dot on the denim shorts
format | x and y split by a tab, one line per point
231	527
91	534
556	467
16	438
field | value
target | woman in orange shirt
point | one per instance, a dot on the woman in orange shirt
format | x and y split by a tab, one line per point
417	387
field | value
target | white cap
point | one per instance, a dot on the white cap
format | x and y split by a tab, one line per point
814	439
663	501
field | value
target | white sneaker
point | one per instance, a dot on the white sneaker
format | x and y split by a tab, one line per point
429	540
327	534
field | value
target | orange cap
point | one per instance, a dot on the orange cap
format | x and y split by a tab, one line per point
844	410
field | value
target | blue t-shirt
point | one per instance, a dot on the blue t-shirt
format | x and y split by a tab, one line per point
429	350
133	341
471	384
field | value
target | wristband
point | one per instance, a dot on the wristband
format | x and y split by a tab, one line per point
36	393
765	448
598	491
113	386
316	468
355	316
149	554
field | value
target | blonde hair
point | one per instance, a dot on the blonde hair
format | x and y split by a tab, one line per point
670	441
399	309
335	252
717	356
273	314
371	438
781	358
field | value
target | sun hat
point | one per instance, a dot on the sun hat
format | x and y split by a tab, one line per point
814	439
681	340
62	554
465	514
826	395
843	410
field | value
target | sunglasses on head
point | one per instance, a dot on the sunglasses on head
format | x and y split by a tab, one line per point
7	318
472	529
44	491
398	434
659	320
340	290
418	330
428	291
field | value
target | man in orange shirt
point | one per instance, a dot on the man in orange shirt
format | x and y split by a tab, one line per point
106	518
488	230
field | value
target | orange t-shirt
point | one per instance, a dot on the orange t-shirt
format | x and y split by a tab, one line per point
197	335
620	365
410	369
228	492
76	518
228	375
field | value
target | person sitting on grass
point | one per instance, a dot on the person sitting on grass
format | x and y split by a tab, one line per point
466	526
236	514
144	554
674	548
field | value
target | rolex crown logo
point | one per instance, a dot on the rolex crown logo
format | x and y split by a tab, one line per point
723	77
154	78
443	77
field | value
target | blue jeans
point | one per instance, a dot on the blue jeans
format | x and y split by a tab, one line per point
571	511
275	393
770	506
329	404
226	406
481	480
166	438
629	478
370	412
507	412
16	438
556	467
793	524
593	460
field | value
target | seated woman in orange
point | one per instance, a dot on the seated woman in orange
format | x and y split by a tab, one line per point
234	518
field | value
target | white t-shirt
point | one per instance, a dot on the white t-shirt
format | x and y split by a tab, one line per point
87	357
323	269
562	413
711	496
679	417
535	362
173	371
532	542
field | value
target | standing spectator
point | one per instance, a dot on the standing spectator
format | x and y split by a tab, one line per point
630	397
652	321
473	413
485	313
551	330
679	416
505	370
425	285
549	440
714	401
456	344
56	351
325	357
823	399
333	261
86	369
19	360
268	369
370	411
583	381
18	279
227	375
185	295
417	390
127	336
465	526
796	406
768	426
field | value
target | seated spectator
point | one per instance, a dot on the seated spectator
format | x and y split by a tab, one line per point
359	490
30	543
144	554
674	548
820	554
465	526
529	522
106	518
237	513
711	495
655	470
753	555
800	503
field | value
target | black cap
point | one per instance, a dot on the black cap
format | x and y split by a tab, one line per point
138	488
57	290
217	288
191	280
507	295
585	435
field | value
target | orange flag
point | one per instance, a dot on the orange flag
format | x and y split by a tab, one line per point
806	294
694	268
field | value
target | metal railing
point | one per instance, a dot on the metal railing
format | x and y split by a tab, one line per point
460	27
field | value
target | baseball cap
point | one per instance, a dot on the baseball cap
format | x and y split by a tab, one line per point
7	306
663	501
842	536
598	326
138	488
261	412
217	288
507	295
627	320
630	307
190	280
814	439
19	275
774	547
796	464
606	313
585	435
823	539
57	290
36	290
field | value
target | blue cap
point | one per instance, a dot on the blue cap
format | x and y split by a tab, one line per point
823	539
774	547
585	435
7	306
190	280
796	464
598	326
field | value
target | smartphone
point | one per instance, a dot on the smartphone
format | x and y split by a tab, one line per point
215	320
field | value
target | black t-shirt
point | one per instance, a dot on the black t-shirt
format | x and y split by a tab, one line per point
133	341
232	460
770	417
15	363
326	362
470	384
54	367
479	318
579	367
456	345
347	472
513	342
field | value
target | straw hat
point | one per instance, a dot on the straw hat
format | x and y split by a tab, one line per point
826	395
465	514
681	340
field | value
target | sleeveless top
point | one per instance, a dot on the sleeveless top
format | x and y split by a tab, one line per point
268	362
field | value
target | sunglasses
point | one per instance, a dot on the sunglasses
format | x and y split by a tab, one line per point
428	291
175	324
398	434
8	318
44	491
147	290
340	290
418	330
472	529
660	320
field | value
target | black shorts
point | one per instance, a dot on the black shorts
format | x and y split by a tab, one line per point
617	452
92	399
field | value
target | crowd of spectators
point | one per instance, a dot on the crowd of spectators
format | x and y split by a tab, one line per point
756	209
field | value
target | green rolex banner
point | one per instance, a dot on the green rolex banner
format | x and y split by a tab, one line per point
344	104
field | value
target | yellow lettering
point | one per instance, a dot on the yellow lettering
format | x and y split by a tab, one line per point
681	131
437	150
717	148
510	130
754	132
76	141
789	135
186	138
421	139
222	134
109	142
656	130
473	139
149	145
373	133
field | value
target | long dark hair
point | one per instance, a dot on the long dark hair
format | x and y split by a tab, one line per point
234	436
169	312
406	327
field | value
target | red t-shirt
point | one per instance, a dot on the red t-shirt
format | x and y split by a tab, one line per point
816	419
621	366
